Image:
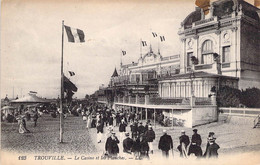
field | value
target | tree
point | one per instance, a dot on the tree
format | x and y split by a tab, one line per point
228	97
250	97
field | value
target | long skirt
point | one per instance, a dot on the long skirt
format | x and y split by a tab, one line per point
22	129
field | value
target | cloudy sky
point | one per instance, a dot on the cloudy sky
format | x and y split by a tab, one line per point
31	40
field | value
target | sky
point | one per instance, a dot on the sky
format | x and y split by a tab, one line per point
31	39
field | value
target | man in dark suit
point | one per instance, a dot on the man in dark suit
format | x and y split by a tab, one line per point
150	135
165	144
195	144
134	129
111	145
144	147
184	142
122	129
141	129
127	144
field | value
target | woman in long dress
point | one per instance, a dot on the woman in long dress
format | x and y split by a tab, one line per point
22	126
89	119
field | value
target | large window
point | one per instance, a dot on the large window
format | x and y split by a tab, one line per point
207	58
189	55
226	54
207	52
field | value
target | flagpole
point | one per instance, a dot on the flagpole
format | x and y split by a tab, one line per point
121	56
141	47
159	43
61	88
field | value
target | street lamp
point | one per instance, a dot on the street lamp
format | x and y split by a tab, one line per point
194	61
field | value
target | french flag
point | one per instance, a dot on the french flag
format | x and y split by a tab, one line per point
74	35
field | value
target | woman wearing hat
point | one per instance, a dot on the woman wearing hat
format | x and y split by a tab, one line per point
211	134
212	151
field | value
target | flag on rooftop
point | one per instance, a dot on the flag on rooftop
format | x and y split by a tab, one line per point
72	73
74	35
144	43
162	38
123	52
154	34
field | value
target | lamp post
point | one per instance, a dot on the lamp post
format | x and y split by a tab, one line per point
194	61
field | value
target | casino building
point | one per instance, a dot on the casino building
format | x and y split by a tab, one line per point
220	47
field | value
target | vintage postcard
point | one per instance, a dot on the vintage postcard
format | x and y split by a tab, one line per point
130	82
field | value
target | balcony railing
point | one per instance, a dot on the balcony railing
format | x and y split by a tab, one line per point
203	66
203	101
163	101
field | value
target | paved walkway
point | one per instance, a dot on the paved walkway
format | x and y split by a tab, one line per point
232	137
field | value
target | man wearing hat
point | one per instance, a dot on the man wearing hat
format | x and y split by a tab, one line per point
127	144
122	129
144	147
150	135
99	131
212	151
165	144
141	129
134	129
111	145
184	142
195	144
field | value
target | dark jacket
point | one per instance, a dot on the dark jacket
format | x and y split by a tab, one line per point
117	118
150	135
128	144
212	150
195	145
110	120
146	128
111	146
122	127
144	145
165	143
134	128
99	128
136	145
196	139
184	139
141	129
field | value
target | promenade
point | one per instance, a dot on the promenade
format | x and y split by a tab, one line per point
231	137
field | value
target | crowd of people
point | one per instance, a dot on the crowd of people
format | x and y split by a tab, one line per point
138	143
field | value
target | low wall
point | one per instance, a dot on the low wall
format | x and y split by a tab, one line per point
241	120
203	115
240	111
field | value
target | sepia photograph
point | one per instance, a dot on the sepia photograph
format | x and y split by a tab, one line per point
130	82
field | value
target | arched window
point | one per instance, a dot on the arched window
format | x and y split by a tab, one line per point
207	52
